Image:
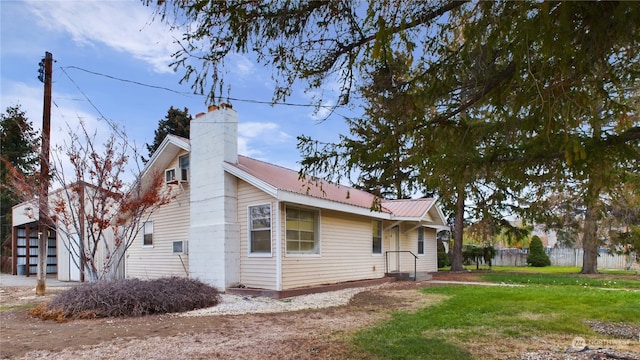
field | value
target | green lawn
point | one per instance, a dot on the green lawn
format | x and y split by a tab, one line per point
556	270
598	281
544	270
487	321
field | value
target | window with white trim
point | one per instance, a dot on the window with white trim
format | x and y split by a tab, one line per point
147	231
183	163
376	230
302	231
260	229
421	241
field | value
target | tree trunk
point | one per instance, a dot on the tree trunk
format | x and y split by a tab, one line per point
590	241
456	253
41	277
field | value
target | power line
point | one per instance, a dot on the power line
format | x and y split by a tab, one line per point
111	123
83	94
252	101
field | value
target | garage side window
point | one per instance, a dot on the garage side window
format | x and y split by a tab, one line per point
260	229
148	233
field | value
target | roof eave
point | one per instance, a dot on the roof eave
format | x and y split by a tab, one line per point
243	175
302	199
177	141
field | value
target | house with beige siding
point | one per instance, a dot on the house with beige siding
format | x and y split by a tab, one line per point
241	222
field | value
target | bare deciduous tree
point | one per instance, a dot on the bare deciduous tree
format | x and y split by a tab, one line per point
97	213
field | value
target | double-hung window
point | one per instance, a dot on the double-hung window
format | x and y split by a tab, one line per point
260	229
147	231
421	241
302	231
376	230
183	162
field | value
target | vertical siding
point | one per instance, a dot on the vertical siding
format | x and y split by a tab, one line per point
345	253
170	223
255	271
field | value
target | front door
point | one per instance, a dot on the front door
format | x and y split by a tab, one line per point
394	246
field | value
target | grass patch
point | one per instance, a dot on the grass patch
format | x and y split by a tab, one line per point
477	317
18	307
538	270
555	270
597	281
619	272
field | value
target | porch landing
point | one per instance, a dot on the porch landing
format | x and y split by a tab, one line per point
275	294
408	276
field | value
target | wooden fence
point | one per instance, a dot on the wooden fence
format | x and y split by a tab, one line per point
563	257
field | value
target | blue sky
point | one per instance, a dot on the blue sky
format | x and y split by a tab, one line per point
121	39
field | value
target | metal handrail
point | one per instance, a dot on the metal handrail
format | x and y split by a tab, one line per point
415	262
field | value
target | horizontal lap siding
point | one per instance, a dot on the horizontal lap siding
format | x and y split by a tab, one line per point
346	243
170	223
409	242
257	272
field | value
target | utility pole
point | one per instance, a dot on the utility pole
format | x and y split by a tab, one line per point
46	68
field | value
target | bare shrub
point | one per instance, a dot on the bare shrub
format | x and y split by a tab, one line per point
129	298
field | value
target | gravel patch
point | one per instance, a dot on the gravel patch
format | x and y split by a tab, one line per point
239	304
617	330
588	354
593	349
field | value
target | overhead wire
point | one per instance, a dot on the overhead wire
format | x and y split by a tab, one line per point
253	101
114	126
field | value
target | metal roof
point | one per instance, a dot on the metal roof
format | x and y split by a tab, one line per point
288	180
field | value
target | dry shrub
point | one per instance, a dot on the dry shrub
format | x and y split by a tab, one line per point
128	298
43	312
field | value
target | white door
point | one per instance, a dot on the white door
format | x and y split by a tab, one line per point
394	246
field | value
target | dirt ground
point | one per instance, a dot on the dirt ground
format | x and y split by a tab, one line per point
306	334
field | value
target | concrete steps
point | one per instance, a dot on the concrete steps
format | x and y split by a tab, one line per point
409	276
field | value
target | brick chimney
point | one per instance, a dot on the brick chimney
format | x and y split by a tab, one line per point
214	233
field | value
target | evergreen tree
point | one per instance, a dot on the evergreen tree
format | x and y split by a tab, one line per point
18	149
515	95
537	257
176	122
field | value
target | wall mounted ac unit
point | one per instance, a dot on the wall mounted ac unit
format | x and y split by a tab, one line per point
184	175
180	247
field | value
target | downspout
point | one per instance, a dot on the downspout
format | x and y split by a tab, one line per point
278	248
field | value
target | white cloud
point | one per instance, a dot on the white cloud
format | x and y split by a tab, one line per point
241	65
253	129
244	149
328	96
126	26
254	136
323	111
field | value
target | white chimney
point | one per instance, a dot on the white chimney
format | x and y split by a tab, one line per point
214	233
